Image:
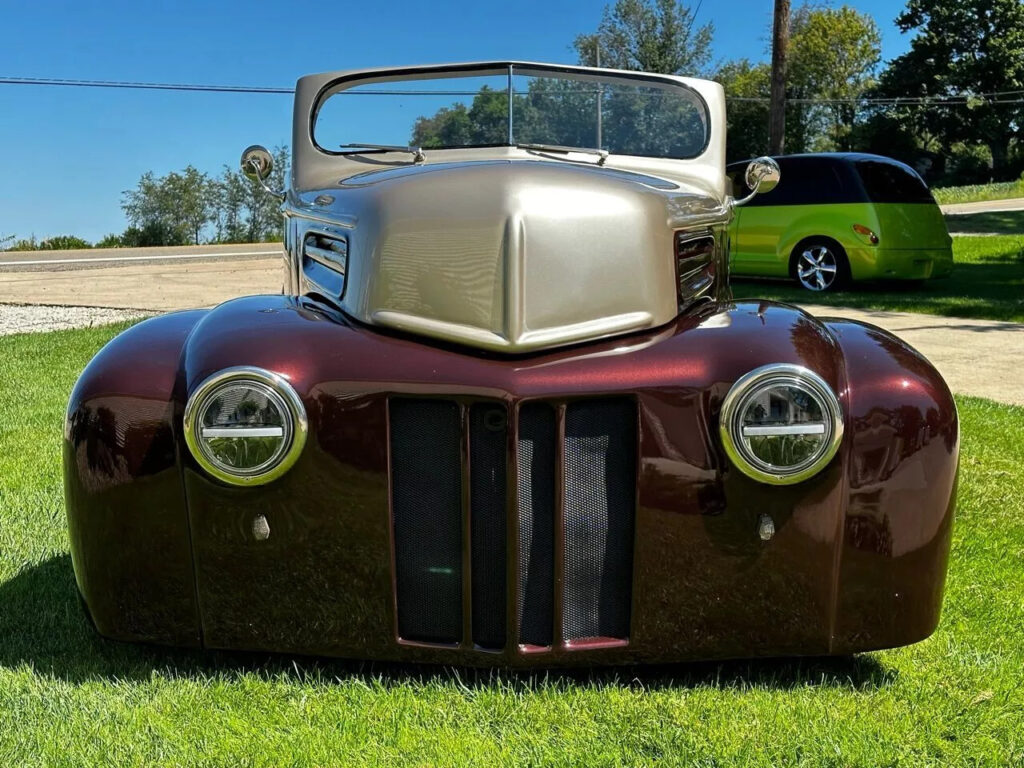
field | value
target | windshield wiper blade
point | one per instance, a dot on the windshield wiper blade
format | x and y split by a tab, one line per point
602	154
417	153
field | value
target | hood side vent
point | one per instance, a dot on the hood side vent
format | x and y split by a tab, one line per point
325	262
695	265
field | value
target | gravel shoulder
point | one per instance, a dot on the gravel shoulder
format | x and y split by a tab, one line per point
29	318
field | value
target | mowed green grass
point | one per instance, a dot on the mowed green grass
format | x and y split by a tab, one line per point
69	698
987	283
991	223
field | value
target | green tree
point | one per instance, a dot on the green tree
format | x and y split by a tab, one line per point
648	36
967	47
150	234
484	122
64	243
112	240
243	212
29	243
195	198
747	88
833	56
176	207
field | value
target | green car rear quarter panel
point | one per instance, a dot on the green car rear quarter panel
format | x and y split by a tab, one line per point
913	241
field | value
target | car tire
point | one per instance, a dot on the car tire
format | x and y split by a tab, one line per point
819	265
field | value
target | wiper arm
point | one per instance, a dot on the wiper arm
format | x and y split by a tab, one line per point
416	152
601	154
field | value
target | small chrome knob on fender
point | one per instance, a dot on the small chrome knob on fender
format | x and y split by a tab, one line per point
765	528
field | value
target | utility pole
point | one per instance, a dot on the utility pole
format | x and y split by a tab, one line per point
780	42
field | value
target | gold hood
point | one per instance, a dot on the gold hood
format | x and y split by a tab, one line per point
512	255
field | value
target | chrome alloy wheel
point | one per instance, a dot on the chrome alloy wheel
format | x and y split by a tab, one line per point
817	268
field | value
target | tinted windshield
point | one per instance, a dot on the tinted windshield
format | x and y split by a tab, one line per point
887	182
629	115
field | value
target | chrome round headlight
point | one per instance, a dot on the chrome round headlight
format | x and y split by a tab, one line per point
781	424
245	426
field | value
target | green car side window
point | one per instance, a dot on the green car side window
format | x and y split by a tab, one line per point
805	181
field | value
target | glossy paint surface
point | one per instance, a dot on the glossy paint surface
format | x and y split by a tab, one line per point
122	486
848	548
507	255
914	244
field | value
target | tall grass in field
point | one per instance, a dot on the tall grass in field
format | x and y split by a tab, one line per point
977	193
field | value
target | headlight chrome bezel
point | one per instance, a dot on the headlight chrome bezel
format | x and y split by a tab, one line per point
284	397
756	382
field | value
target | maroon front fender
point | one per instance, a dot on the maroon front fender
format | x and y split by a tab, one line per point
853	544
903	440
122	484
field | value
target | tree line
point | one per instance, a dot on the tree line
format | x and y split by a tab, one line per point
187	207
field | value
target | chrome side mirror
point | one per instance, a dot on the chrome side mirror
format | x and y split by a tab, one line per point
257	163
763	175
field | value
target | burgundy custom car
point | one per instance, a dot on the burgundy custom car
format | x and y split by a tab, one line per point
505	411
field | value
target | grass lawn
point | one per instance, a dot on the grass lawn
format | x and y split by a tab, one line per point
70	698
994	222
987	283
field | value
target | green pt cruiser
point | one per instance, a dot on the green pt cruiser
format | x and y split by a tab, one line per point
837	217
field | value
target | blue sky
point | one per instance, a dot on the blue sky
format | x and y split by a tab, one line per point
70	152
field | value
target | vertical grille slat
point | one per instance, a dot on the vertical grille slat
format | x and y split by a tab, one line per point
488	446
600	501
426	487
535	485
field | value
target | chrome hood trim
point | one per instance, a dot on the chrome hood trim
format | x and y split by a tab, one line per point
510	255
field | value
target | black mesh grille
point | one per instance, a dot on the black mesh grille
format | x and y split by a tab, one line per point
536	510
599	515
426	488
488	451
600	499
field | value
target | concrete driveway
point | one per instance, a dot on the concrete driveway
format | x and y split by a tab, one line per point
977	357
989	206
984	358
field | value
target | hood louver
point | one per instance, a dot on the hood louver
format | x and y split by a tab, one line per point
325	262
695	265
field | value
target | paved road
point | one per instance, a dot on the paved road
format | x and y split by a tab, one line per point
989	206
35	261
977	357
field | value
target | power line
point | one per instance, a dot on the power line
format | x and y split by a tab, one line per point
141	86
992	98
908	101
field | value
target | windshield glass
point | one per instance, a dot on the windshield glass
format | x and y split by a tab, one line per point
628	115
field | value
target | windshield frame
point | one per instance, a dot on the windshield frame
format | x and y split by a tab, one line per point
508	69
